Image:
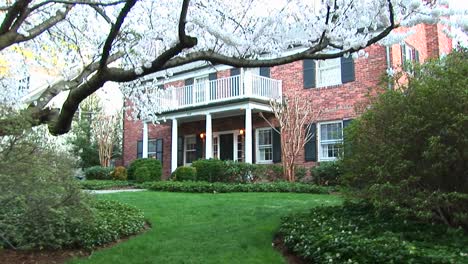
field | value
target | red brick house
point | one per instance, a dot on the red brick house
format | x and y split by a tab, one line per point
214	110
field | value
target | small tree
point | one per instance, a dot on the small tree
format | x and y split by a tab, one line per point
105	129
295	116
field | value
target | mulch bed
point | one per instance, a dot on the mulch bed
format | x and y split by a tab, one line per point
9	256
287	254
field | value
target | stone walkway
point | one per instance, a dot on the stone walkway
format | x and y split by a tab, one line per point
114	191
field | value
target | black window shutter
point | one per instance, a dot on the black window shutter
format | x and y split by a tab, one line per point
403	56
189	81
276	145
309	73
346	144
199	147
416	55
159	149
265	71
254	150
139	149
347	69
235	71
311	146
213	93
180	151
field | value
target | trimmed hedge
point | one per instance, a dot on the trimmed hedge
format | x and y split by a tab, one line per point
210	170
154	167
119	173
356	233
103	184
207	187
184	173
98	173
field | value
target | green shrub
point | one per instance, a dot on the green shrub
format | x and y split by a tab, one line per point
104	184
301	173
211	170
357	233
268	172
327	173
185	173
239	171
111	221
410	149
218	187
143	174
154	166
119	174
97	173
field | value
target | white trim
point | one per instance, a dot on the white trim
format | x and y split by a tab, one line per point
257	147
317	74
234	141
217	109
174	147
319	139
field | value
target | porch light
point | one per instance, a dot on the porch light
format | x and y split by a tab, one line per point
241	132
202	135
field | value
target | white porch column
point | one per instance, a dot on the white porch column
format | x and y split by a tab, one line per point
174	149
145	140
248	135
209	138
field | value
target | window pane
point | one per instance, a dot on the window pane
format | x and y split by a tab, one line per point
151	145
331	131
159	145
191	156
329	72
264	137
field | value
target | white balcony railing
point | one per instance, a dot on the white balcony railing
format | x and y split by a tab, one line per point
206	92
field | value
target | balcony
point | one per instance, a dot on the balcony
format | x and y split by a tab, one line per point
205	92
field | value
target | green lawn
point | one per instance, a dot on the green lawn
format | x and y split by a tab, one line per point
207	228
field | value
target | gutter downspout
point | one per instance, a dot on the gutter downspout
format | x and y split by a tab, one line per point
389	65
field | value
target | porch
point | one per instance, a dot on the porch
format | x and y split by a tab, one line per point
203	91
225	132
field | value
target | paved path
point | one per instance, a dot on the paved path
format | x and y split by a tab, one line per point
114	191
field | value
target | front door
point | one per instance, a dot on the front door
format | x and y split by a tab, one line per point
226	147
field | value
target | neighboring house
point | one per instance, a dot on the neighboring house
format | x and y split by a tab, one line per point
214	111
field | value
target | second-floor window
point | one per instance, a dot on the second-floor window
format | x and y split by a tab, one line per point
328	72
322	73
408	55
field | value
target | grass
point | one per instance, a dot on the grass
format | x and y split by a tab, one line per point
207	228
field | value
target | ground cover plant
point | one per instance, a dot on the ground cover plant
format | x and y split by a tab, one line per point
217	187
206	228
357	233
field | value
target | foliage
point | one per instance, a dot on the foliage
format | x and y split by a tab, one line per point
104	184
111	221
409	151
301	173
217	187
154	166
211	170
82	141
327	173
185	173
356	233
268	172
143	174
119	173
239	171
98	173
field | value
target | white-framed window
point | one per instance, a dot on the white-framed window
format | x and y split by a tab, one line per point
264	142
240	148
408	55
155	150
328	72
190	149
330	140
215	147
